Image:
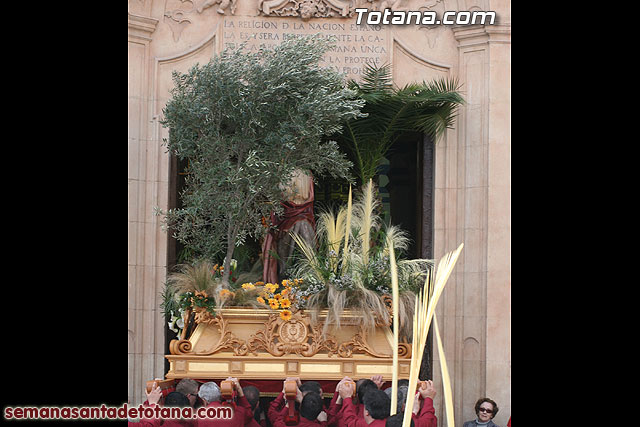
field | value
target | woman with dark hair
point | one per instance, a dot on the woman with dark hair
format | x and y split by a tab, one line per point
485	409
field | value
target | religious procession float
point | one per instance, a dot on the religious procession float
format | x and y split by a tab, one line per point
327	291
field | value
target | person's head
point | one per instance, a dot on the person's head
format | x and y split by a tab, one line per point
402	396
396	420
176	399
311	406
377	405
189	388
308	386
209	392
486	409
403	383
253	395
362	386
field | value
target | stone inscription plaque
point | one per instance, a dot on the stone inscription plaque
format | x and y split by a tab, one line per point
356	45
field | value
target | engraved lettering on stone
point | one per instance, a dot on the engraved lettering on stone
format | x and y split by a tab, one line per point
355	47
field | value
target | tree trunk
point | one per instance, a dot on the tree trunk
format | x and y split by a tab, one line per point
232	234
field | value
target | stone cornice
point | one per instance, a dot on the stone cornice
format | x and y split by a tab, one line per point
468	35
141	26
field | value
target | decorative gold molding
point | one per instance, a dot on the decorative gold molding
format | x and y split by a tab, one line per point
296	335
227	339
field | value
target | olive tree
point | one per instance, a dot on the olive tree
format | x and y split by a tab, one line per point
245	121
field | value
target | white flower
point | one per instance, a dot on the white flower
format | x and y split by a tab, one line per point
180	323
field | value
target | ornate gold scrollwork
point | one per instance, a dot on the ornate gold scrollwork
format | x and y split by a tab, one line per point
227	339
296	335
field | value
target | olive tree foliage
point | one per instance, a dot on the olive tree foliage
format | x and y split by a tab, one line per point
245	121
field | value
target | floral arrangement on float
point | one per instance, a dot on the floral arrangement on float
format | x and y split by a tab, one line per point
347	269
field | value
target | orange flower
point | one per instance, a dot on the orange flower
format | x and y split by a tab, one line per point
284	292
285	303
273	303
285	315
259	283
277	296
225	293
285	282
260	300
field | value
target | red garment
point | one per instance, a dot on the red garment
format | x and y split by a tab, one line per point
335	413
278	410
509	423
275	408
292	214
350	416
241	415
427	415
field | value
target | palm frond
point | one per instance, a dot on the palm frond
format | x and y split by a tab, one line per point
310	261
347	228
428	107
364	218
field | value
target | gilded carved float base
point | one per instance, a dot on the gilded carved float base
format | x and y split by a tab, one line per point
258	344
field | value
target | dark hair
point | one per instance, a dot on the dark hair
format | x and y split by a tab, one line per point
377	403
252	394
313	386
176	399
311	406
364	385
402	396
396	420
187	386
403	383
486	399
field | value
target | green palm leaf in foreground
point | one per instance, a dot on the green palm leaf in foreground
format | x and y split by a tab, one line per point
430	108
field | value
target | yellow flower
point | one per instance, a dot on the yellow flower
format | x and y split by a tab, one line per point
284	291
248	286
277	296
285	282
285	315
259	283
285	303
273	303
260	300
270	287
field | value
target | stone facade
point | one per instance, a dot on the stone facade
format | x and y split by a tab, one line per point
472	198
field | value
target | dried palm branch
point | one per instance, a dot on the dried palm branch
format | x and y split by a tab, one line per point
424	312
365	220
396	323
446	380
347	229
310	261
332	228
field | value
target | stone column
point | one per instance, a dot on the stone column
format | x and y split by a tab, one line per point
473	185
147	188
